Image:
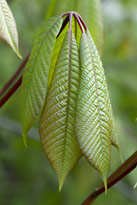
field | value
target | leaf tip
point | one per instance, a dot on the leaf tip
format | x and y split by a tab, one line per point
61	181
19	55
105	184
24	139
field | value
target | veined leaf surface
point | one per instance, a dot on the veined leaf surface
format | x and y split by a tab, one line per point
35	79
93	123
58	116
8	29
76	30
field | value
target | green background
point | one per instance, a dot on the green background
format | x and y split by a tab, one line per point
26	177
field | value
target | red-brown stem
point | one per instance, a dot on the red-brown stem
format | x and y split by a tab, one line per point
14	77
83	23
63	25
75	29
79	22
10	92
113	180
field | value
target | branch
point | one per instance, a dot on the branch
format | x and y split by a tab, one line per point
14	77
119	174
10	82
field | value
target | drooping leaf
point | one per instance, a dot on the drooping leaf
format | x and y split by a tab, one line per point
57	47
91	12
35	79
58	116
8	29
93	124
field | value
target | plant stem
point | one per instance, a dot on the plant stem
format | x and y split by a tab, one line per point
10	92
79	22
14	77
63	25
129	165
15	86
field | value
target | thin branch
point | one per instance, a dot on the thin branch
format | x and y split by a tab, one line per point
79	22
7	92
10	92
14	77
128	166
83	23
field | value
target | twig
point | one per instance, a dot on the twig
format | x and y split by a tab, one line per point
14	77
10	92
119	174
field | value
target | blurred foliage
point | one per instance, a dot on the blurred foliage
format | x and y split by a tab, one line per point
25	175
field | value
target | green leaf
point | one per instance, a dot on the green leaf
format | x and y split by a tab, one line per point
8	30
93	124
56	51
76	30
91	12
35	79
58	116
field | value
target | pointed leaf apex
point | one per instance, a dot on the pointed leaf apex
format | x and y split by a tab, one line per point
105	184
18	54
24	139
61	182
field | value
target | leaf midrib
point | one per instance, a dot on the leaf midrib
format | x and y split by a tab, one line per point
68	96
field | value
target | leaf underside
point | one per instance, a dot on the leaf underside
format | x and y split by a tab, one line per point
93	121
35	78
58	116
8	29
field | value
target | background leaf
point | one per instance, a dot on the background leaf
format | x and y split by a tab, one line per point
8	30
35	79
93	123
58	116
91	12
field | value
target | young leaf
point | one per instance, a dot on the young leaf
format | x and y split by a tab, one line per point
58	116
8	30
35	79
93	124
56	51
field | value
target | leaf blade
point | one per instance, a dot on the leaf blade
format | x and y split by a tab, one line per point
93	125
58	116
8	29
35	78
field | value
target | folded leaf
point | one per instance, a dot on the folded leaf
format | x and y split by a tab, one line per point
8	30
93	124
35	78
58	116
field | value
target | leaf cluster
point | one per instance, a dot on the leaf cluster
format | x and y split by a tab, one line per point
64	83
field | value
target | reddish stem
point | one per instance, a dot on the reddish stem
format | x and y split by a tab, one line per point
14	77
119	174
10	92
79	22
